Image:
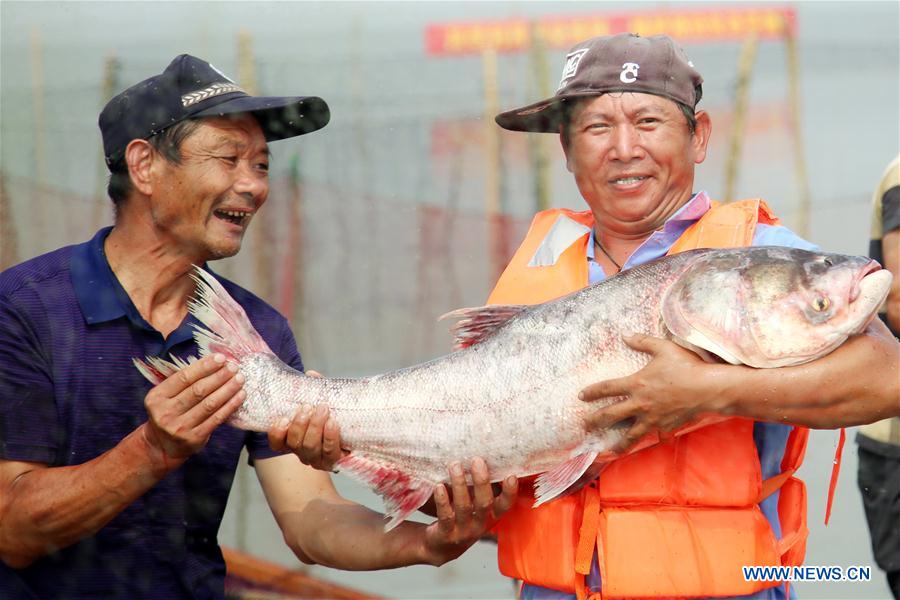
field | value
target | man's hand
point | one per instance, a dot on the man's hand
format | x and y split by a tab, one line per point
186	408
464	519
312	435
667	393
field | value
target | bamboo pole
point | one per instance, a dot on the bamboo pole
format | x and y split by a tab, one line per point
291	300
492	183
491	135
247	80
801	218
246	64
111	68
40	156
261	240
377	325
538	143
9	243
745	68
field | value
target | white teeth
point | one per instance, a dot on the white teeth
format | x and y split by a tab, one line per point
234	213
627	180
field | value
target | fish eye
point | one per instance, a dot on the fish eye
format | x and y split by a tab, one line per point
821	303
828	262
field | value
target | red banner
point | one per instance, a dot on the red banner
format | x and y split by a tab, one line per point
686	26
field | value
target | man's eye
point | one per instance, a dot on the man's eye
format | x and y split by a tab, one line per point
263	167
648	121
231	160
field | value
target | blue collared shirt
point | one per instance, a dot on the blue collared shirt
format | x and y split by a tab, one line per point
69	393
770	438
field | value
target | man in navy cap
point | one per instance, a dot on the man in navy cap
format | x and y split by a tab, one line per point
110	489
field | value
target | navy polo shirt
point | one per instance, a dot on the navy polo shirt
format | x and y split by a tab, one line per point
69	392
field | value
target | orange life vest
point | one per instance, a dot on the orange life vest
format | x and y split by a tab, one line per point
679	518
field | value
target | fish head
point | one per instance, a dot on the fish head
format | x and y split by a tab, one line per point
773	306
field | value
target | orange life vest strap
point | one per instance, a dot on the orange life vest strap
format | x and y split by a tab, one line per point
787	542
587	538
772	484
835	471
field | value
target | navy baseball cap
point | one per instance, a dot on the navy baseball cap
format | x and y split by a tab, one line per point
191	87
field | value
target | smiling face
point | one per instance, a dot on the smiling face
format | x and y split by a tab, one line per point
633	158
203	205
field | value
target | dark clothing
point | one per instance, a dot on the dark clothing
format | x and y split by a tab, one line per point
890	220
879	443
886	219
894	583
69	392
879	485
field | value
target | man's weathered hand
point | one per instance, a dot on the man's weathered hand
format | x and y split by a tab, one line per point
667	393
312	435
463	519
186	408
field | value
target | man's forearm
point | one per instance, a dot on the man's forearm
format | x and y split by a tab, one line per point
45	509
857	383
348	536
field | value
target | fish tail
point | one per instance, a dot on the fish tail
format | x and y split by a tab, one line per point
227	329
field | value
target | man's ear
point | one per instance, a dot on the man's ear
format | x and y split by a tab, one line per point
139	155
564	142
700	139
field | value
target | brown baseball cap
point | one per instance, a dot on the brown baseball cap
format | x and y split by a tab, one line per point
625	62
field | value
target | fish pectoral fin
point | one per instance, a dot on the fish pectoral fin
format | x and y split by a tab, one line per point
566	478
402	493
478	323
156	369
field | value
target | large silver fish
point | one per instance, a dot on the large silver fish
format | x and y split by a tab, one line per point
510	394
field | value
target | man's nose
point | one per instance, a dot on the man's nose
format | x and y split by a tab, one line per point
252	183
627	143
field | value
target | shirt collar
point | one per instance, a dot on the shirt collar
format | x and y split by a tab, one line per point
102	298
693	209
100	295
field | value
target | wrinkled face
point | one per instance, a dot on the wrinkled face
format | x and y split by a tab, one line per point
204	204
771	306
633	158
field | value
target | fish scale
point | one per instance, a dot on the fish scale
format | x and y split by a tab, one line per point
509	394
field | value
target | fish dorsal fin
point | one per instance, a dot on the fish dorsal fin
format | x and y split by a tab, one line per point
478	323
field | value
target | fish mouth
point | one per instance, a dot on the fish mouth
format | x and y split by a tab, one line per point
872	267
870	292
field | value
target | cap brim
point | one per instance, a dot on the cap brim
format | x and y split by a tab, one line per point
280	117
545	116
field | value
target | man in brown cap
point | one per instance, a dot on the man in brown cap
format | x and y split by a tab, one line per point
682	517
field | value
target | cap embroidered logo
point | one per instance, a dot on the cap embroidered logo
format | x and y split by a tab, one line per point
629	73
216	89
572	61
